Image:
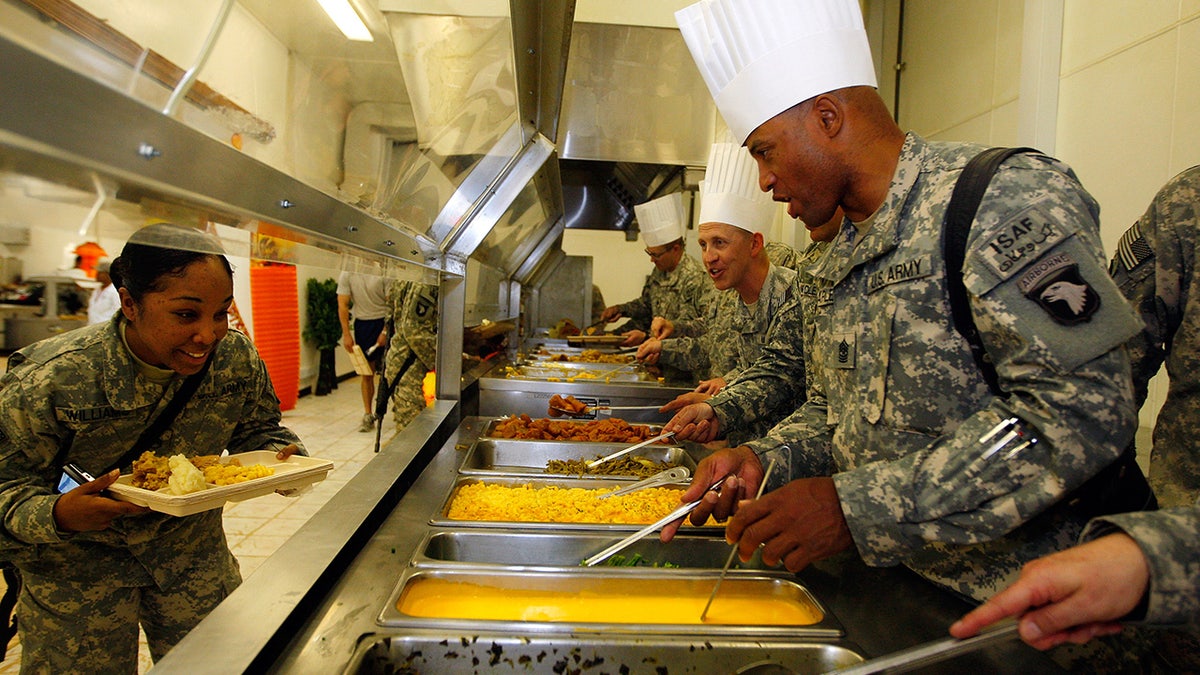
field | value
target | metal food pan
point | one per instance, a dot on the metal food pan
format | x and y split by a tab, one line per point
641	602
519	548
529	458
601	373
550	361
420	650
490	432
442	519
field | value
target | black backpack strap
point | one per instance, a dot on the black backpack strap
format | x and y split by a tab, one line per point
1119	487
960	214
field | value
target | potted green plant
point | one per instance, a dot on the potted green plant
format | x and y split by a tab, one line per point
324	330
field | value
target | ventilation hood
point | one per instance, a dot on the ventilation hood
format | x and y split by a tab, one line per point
636	122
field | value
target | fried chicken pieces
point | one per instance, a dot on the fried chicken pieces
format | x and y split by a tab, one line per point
571	404
612	430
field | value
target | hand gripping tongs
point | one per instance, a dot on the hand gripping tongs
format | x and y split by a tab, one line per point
678	513
671	475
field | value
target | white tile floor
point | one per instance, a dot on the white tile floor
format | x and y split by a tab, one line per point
255	528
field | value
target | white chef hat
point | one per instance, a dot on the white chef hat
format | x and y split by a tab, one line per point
761	57
661	220
730	194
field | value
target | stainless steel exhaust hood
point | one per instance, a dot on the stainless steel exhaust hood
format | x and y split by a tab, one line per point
635	116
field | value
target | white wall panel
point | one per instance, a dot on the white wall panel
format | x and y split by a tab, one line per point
1114	129
1095	29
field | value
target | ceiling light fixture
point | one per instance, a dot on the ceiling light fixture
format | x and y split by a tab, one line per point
347	20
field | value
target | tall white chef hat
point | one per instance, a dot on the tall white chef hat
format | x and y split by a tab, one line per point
729	192
761	57
661	220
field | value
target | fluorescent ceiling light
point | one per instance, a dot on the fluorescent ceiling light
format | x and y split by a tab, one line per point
347	20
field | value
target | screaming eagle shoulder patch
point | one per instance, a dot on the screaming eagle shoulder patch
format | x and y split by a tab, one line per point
1054	283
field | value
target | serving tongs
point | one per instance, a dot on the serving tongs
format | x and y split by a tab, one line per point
671	475
932	652
590	409
621	453
678	513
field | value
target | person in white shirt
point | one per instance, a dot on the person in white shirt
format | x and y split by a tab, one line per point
104	301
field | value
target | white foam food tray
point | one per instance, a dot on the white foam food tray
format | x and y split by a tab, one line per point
295	472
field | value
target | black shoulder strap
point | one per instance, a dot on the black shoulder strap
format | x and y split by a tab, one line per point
960	213
164	419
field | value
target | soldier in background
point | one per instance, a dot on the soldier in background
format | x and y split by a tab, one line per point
1135	568
1155	267
677	288
752	294
412	351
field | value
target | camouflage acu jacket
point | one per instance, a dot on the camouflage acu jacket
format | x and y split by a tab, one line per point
414	312
680	294
79	397
1170	539
729	336
1155	266
909	418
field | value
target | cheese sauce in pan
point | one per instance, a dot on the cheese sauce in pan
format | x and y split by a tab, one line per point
740	602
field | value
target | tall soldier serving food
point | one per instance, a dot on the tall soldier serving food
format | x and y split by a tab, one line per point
938	467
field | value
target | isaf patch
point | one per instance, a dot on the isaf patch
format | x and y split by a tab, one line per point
1020	241
1055	283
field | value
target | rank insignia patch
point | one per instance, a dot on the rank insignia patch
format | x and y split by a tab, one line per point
1055	284
842	355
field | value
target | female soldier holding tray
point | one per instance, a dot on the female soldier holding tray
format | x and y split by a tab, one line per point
95	568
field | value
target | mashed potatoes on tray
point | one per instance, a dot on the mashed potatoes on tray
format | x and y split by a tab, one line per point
183	475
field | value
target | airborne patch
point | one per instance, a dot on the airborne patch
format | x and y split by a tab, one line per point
1021	240
425	302
1056	285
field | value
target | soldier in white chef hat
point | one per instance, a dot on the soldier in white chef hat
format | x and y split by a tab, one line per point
754	288
677	288
908	402
735	223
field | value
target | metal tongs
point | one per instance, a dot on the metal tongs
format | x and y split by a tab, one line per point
932	652
671	475
678	513
621	453
589	409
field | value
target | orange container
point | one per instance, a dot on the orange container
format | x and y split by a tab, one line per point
276	305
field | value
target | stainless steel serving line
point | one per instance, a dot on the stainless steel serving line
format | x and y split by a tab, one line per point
337	627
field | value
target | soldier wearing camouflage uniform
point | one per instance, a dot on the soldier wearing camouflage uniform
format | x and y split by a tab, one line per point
1129	569
1155	268
730	336
84	397
412	351
735	222
678	288
910	420
1170	541
785	256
